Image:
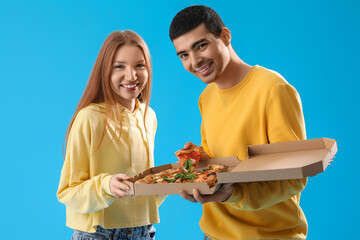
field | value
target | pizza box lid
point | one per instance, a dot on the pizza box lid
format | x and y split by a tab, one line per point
281	161
267	162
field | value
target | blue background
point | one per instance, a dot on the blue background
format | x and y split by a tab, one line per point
47	49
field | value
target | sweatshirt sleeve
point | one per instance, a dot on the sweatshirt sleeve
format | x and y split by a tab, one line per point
159	198
79	191
285	122
203	135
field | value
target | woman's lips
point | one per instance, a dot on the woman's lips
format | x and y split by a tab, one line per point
130	87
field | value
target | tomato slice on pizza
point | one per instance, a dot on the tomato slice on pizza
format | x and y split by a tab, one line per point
189	157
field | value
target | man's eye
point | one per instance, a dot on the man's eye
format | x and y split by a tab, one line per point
183	56
202	46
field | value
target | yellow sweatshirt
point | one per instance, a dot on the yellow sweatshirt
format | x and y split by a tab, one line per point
262	108
84	182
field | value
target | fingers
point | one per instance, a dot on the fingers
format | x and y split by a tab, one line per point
121	176
204	155
221	195
227	186
186	196
224	192
198	197
117	187
119	193
188	145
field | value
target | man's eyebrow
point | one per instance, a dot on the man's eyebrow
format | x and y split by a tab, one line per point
192	46
198	42
180	52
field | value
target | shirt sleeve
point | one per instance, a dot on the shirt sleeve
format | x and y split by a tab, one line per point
285	122
203	135
159	198
77	189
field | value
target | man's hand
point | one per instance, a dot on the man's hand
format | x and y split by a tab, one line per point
204	155
220	195
117	187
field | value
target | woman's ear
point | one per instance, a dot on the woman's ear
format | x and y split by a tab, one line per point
225	36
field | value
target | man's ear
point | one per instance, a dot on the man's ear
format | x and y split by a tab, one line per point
225	36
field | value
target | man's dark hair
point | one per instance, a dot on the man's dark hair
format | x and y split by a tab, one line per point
191	17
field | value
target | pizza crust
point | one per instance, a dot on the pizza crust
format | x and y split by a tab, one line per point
193	148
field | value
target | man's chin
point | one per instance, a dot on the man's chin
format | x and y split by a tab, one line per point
207	80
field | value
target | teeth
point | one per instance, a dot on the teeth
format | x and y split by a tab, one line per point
204	69
129	86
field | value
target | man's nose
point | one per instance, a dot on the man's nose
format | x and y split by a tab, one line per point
195	60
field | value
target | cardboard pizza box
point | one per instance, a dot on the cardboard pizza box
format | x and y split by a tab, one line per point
267	162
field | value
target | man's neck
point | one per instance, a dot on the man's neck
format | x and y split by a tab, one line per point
234	72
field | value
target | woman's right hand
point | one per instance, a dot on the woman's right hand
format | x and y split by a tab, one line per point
117	187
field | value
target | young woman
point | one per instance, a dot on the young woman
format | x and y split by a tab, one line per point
111	137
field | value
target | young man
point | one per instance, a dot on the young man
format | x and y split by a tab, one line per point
242	105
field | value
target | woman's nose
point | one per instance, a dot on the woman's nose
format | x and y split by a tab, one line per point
131	75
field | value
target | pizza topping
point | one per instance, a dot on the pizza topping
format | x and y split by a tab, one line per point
189	157
191	176
186	176
175	175
168	179
187	164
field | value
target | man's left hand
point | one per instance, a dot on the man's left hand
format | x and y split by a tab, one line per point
220	195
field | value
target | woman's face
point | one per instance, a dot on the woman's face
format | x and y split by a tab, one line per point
129	74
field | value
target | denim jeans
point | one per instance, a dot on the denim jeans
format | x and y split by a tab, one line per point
206	237
135	233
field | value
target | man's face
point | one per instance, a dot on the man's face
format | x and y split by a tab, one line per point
203	54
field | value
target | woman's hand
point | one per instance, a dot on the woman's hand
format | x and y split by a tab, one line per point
117	187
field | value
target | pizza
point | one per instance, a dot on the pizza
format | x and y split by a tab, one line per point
190	157
175	175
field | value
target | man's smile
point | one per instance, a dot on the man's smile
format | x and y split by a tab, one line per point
204	69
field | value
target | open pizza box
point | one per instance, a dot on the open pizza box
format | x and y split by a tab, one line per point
276	161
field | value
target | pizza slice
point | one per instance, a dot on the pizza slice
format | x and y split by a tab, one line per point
190	157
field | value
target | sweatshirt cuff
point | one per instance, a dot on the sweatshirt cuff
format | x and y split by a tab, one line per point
106	185
236	196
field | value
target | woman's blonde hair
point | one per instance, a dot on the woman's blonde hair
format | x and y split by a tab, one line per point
98	88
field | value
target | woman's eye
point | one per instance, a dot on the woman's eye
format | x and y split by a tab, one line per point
119	66
140	65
